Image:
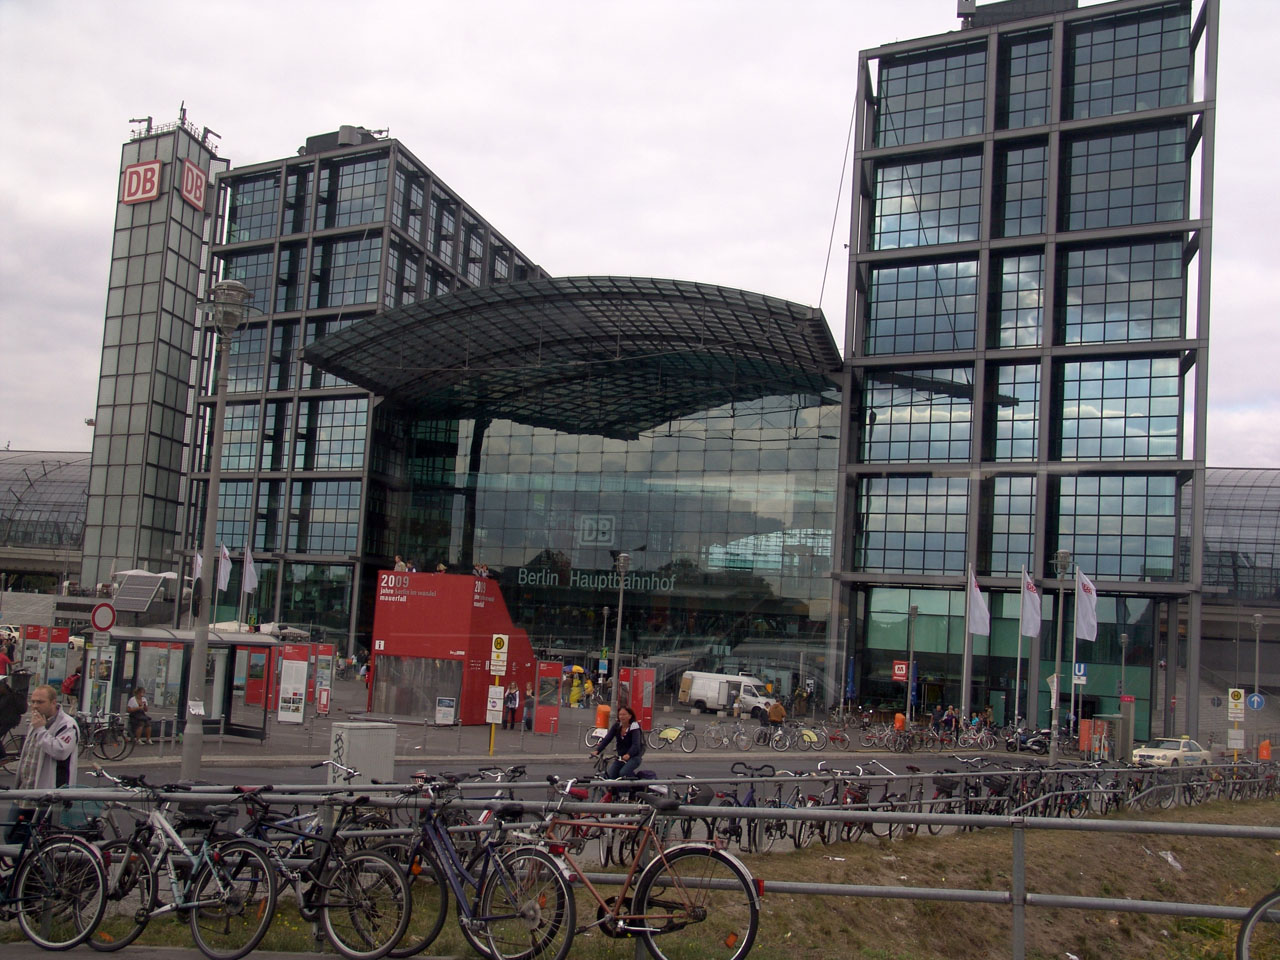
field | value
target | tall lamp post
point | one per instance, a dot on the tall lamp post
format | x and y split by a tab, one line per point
1257	650
227	311
1061	566
622	564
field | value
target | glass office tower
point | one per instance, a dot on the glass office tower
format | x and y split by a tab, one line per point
352	225
1026	359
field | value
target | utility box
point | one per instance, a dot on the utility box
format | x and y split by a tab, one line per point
367	747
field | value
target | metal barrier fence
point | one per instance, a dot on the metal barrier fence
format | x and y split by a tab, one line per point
1017	898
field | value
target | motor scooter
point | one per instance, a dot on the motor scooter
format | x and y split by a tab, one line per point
1037	741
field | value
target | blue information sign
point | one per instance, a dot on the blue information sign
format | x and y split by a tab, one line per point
1256	701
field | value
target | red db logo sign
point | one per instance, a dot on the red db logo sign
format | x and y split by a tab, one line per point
901	669
193	184
141	182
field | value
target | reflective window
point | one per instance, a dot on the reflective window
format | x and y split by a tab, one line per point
345	272
444	227
1116	294
401	277
1129	62
923	307
313	377
1023	95
277	427
331	434
252	215
931	96
270	520
1013	411
297	198
408	201
1007	524
1125	178
235	510
291	278
1021	188
318	594
1119	528
1120	409
918	415
352	190
474	267
911	525
324	516
247	357
1018	319
284	341
927	202
240	436
254	271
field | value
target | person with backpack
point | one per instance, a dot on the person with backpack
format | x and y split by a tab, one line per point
630	739
71	690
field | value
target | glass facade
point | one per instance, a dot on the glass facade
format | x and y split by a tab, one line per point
1081	443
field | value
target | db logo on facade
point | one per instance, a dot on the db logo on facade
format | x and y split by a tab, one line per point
141	182
193	184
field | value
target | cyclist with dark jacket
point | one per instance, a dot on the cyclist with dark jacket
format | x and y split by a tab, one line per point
630	739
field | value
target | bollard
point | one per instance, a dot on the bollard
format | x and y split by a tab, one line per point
161	724
458	724
222	731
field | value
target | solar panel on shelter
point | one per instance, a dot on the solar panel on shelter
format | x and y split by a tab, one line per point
136	592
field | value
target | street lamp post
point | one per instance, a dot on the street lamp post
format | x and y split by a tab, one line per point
227	309
1257	650
622	564
1062	566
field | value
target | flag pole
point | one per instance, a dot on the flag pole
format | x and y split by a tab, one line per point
966	662
1074	639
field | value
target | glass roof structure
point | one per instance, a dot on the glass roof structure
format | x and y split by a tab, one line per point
42	498
608	356
1241	532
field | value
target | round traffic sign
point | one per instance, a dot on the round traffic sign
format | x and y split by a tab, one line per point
103	617
1215	701
1256	701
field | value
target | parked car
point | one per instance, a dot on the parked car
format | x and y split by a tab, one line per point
1172	753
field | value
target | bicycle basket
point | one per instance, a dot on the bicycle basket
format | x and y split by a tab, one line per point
996	785
946	785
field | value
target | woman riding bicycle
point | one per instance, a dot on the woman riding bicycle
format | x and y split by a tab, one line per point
630	738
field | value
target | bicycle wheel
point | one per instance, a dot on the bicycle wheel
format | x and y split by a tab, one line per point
233	898
61	892
112	744
698	904
688	742
656	740
527	907
767	831
1259	937
366	905
743	740
805	830
131	896
948	805
428	896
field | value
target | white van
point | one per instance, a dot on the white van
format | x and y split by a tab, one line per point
719	691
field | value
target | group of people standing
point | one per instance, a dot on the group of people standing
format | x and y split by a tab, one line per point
951	720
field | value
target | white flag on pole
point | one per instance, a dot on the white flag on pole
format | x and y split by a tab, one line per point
199	566
224	567
249	582
1086	607
1030	620
979	615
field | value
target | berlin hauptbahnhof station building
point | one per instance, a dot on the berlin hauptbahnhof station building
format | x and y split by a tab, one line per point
1023	377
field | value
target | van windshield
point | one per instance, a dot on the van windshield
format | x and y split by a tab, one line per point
748	690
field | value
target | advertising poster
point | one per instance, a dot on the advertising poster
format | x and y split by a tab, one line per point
293	691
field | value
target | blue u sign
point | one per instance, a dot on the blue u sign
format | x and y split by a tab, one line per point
1080	670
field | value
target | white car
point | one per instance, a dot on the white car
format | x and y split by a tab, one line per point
1172	753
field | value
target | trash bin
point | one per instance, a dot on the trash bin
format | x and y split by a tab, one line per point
602	715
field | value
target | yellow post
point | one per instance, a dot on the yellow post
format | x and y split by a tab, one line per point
492	727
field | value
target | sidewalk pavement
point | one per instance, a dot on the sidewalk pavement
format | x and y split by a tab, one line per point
308	742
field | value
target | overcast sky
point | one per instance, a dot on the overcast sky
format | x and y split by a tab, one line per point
695	140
